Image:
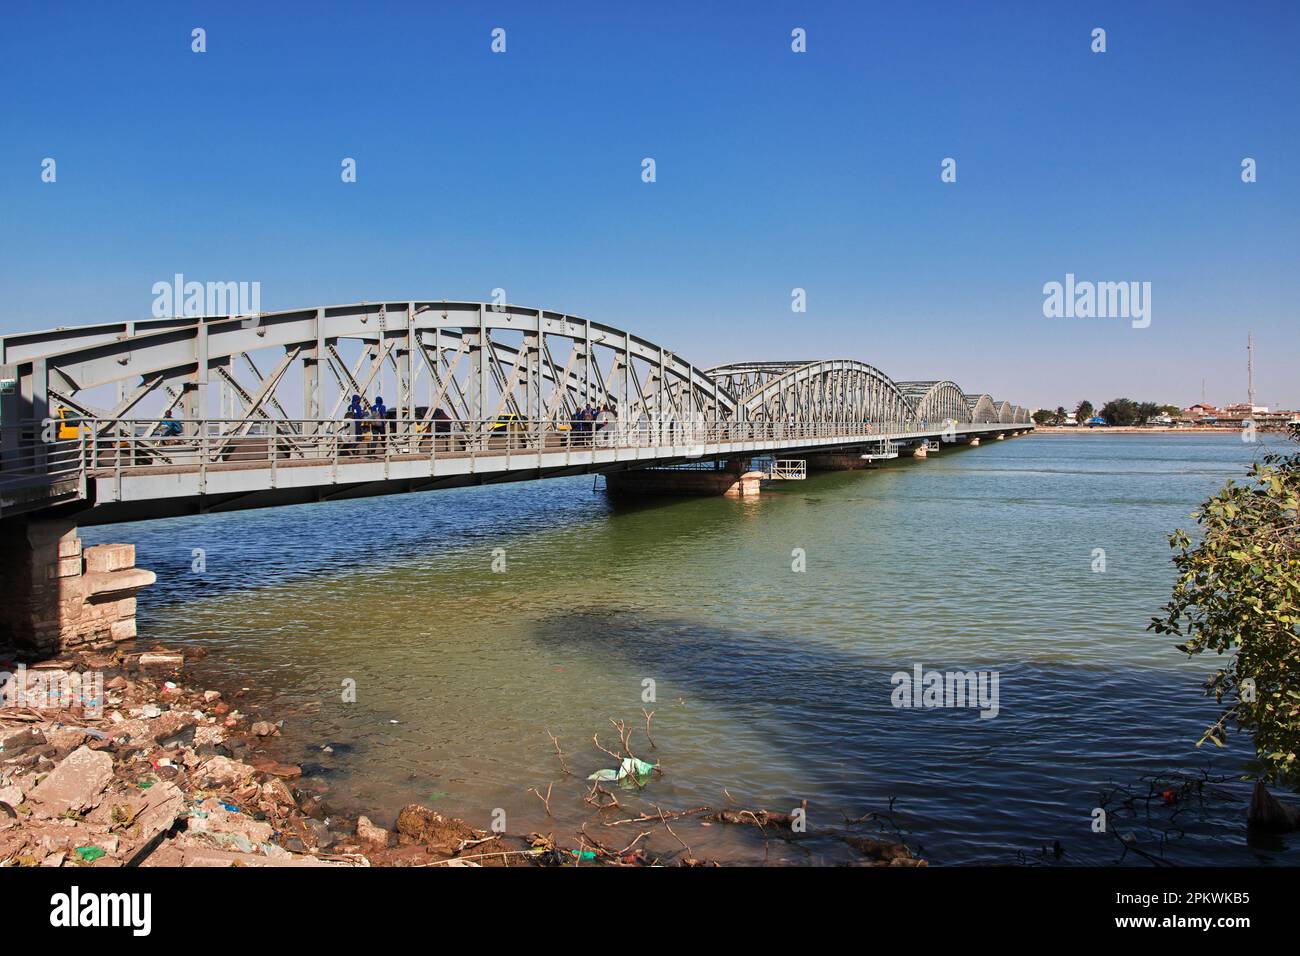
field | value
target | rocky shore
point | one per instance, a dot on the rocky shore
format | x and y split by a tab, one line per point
110	758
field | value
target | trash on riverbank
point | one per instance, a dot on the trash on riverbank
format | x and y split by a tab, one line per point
630	767
160	773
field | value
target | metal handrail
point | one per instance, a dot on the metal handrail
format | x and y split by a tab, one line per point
119	445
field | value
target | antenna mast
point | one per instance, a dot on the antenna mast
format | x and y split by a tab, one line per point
1250	369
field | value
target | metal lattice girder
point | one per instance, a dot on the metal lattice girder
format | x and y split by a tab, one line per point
479	358
937	401
982	409
840	390
475	360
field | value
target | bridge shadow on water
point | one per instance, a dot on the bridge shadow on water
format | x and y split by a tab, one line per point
796	718
245	549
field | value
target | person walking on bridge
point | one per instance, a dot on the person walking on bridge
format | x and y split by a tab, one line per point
354	414
601	425
379	414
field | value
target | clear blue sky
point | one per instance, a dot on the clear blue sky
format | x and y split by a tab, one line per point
775	170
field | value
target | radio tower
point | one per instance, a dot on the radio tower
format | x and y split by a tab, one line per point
1250	370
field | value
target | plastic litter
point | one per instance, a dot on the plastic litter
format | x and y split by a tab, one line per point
89	854
630	766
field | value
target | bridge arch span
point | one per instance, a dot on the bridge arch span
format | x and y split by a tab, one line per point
829	390
937	401
982	409
476	360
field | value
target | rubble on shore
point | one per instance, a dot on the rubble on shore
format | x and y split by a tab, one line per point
158	773
140	769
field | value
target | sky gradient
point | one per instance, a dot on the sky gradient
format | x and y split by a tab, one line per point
775	170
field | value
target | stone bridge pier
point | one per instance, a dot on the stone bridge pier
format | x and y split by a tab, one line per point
60	597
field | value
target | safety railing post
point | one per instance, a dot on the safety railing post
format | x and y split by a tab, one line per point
203	459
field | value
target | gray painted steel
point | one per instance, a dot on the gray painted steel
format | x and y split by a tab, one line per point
489	373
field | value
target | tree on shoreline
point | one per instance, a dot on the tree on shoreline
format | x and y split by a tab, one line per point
1083	412
1238	594
1120	411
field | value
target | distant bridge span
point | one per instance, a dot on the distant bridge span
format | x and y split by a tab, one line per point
168	416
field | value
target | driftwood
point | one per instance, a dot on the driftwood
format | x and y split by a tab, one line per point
756	818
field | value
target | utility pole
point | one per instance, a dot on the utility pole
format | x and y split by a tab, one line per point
1250	369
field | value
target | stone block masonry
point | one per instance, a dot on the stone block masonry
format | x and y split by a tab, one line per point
59	597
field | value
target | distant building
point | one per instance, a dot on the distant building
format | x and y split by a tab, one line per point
1244	410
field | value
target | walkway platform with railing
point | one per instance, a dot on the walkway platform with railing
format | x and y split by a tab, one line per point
127	470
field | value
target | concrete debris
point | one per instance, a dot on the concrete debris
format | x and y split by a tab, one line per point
165	773
153	778
75	785
13	740
161	659
218	771
367	832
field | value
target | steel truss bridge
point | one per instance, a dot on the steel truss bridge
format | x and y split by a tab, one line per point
127	420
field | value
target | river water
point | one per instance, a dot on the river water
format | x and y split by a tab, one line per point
770	686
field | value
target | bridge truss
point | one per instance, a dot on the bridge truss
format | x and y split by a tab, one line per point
186	389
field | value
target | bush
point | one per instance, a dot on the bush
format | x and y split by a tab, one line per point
1238	594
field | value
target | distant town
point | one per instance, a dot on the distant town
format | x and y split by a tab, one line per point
1126	413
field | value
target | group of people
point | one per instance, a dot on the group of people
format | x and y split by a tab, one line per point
367	425
592	424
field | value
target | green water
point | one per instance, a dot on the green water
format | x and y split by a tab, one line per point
770	685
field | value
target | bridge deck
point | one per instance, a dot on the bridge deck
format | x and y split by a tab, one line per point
218	473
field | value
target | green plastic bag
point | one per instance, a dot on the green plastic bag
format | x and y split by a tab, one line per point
630	766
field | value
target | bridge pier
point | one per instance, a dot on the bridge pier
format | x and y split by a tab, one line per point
837	461
59	597
732	481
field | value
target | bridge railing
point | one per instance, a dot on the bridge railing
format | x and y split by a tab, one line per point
102	448
33	452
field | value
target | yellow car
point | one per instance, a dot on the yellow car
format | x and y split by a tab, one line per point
514	423
67	432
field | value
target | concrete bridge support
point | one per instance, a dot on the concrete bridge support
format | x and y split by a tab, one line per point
734	481
837	461
59	597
